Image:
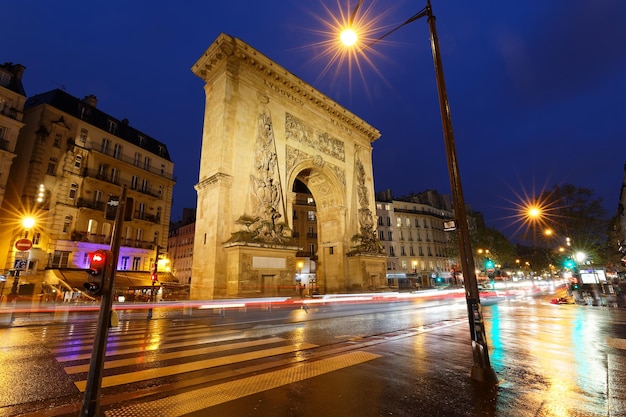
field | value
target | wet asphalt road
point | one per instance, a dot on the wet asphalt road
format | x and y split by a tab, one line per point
382	359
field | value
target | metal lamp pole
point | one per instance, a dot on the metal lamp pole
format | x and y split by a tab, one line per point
481	370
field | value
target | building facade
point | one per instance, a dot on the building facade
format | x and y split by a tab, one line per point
72	161
420	252
12	99
180	246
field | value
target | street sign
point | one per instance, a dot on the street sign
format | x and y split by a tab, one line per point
20	264
23	244
21	254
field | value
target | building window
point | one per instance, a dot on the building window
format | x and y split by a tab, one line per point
310	215
73	190
411	251
112	127
57	141
36	238
139	235
105	146
52	166
124	265
388	221
115	175
136	264
390	235
133	182
417	222
399	222
381	235
146	163
144	185
402	253
117	151
78	161
67	223
60	259
142	140
92	227
141	210
83	136
312	249
137	159
97	196
5	78
392	252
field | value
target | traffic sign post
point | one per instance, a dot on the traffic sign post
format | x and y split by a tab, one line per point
91	400
23	244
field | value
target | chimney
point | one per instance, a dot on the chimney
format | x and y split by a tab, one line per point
91	100
18	71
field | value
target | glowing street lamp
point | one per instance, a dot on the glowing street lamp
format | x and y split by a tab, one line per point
482	370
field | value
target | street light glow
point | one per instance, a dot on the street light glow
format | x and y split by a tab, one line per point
348	37
481	370
28	222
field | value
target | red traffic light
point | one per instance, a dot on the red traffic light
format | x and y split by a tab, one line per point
98	258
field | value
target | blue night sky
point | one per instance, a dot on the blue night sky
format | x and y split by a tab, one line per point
536	88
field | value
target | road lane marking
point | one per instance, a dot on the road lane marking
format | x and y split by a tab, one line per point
175	355
616	383
152	346
126	378
196	400
84	345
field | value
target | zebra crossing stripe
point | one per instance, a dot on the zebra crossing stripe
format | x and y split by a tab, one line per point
146	374
111	351
196	400
109	364
616	382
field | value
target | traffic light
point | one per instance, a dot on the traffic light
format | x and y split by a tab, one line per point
97	271
569	263
489	264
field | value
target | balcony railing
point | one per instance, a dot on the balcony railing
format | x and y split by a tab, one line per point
12	112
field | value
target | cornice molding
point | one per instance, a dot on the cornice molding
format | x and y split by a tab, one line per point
227	48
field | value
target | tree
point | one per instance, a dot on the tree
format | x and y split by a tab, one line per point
577	213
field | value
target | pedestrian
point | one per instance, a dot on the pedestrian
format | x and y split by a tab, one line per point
301	288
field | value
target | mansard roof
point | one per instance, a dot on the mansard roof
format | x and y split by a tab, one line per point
83	110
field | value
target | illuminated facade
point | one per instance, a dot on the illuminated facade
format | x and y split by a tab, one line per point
420	253
71	159
12	99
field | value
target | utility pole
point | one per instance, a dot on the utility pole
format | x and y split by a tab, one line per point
91	400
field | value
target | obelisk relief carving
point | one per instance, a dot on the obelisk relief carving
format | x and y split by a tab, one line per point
366	240
264	224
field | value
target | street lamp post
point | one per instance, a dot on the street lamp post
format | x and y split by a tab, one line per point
481	370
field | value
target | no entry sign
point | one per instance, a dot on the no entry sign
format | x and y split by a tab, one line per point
23	244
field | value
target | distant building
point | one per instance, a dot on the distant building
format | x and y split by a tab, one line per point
420	253
72	158
180	246
12	99
305	235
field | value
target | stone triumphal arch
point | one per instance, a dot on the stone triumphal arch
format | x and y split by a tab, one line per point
264	129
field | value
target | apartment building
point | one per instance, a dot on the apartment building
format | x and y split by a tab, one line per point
420	253
72	161
12	99
180	246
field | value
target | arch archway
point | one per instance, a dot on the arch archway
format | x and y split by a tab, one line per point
263	129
